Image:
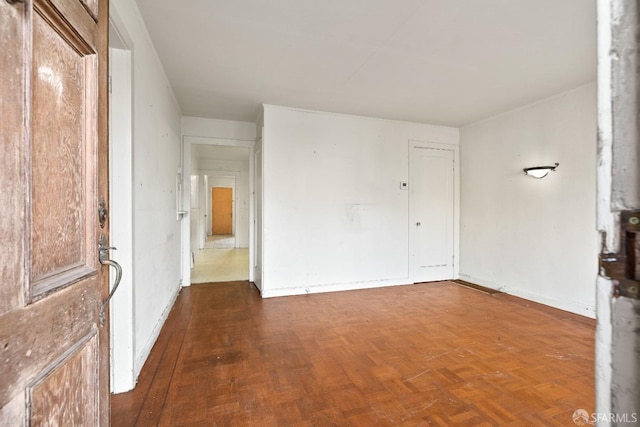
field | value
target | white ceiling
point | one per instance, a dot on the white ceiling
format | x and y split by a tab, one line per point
449	62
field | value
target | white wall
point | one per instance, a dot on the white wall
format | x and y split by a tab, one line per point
334	214
156	158
196	208
203	184
196	211
528	237
256	247
229	130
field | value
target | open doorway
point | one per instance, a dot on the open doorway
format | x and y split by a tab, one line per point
220	200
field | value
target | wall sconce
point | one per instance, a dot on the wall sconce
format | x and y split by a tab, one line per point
540	171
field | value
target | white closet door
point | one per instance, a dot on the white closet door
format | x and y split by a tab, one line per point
431	214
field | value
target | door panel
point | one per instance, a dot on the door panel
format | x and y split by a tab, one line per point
53	161
92	6
432	214
58	200
221	210
72	379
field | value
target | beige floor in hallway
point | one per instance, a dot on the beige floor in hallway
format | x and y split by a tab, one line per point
219	261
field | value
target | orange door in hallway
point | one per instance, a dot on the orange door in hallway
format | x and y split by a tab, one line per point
221	210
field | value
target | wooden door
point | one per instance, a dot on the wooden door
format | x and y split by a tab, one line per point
618	213
53	146
431	214
221	210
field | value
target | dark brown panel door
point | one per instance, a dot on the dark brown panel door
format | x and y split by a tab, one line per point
221	210
54	351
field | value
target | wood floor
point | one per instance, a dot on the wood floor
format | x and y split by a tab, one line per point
429	354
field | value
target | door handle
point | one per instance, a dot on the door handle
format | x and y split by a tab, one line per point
103	257
418	224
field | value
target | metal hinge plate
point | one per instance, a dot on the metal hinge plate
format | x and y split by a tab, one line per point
623	267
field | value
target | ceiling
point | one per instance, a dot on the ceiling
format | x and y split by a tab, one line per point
447	62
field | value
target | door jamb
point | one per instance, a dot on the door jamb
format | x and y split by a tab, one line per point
122	353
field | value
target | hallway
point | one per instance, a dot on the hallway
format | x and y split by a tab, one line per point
220	261
427	354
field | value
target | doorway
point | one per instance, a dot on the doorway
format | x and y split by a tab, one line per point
220	208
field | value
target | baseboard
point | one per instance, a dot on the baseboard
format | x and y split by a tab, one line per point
337	287
476	287
146	350
570	306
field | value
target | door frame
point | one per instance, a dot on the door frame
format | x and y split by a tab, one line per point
187	142
122	354
456	201
258	212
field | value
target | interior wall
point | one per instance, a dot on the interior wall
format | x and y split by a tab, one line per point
255	261
194	204
196	211
229	130
155	161
203	184
528	237
334	214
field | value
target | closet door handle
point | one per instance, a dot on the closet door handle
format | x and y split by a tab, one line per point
103	256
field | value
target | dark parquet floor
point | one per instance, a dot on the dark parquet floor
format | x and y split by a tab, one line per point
428	354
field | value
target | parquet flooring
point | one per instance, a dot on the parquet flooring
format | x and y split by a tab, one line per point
429	354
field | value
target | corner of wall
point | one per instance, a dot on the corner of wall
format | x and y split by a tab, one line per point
535	238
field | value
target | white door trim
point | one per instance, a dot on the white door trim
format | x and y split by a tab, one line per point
122	334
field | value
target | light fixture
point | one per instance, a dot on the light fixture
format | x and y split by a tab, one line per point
540	171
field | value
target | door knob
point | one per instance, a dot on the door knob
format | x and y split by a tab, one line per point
418	224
